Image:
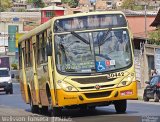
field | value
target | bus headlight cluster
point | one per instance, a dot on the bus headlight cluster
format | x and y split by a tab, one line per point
126	81
66	86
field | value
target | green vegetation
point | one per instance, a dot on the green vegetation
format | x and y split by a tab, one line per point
21	10
154	37
133	5
71	3
14	66
128	4
5	4
37	3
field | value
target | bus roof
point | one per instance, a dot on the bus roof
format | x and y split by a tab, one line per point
88	13
48	24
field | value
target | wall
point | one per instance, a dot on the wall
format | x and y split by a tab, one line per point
4	36
149	50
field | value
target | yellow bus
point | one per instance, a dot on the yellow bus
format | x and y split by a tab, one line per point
82	60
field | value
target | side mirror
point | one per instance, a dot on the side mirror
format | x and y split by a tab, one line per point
12	76
49	49
147	82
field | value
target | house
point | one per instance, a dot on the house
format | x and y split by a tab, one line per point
51	11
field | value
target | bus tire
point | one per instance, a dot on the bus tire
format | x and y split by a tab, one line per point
34	108
44	110
92	108
120	106
53	111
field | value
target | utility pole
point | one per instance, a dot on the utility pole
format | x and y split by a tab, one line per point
145	13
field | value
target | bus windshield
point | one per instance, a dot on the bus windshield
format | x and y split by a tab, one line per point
98	51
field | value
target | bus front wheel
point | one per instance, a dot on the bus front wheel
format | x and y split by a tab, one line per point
53	111
34	108
120	106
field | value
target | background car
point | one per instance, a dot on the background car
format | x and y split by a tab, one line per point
152	90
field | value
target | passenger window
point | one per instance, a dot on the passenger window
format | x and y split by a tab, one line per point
20	56
35	53
41	45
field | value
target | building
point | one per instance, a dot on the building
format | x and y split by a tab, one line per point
12	23
51	11
101	5
19	6
146	54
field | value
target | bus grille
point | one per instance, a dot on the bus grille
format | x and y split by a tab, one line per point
91	80
98	94
93	87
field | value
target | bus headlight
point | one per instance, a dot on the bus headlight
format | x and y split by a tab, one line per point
66	86
126	81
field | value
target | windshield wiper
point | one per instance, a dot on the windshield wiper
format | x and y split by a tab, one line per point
73	33
103	40
79	37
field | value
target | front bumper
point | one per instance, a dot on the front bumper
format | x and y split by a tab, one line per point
76	98
5	86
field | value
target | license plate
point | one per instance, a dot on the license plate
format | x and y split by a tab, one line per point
1	89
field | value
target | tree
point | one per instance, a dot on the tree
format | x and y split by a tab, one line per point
5	4
29	1
36	3
128	4
154	37
72	3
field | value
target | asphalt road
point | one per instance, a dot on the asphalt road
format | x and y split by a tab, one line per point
136	110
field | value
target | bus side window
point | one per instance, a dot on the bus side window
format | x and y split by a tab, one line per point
43	47
35	53
29	52
49	43
20	56
26	54
39	41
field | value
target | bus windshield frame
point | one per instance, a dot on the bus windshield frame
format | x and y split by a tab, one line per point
89	22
